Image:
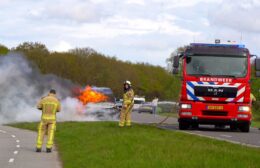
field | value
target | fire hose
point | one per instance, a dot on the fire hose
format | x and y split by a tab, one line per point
162	121
168	116
159	123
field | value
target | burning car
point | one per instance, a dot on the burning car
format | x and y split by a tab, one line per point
98	102
102	110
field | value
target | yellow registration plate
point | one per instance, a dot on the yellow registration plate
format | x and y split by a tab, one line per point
215	108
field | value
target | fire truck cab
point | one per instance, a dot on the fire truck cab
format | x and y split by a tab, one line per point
215	86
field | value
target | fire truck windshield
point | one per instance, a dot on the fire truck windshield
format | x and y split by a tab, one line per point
224	66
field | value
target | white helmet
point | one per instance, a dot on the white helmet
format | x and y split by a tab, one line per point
127	82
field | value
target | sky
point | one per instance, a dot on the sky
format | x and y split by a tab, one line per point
131	30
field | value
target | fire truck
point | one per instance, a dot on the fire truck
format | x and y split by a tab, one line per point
215	86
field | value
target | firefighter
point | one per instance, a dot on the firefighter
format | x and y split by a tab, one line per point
49	105
252	97
155	104
128	103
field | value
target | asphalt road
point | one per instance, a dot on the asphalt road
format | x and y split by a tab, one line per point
17	150
251	139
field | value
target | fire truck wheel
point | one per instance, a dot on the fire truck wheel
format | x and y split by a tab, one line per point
244	127
183	125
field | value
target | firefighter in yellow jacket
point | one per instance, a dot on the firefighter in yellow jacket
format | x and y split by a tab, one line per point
128	103
252	98
49	105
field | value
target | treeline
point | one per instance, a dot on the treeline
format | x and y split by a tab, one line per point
85	66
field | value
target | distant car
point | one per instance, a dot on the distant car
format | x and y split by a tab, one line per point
138	101
105	90
119	103
146	107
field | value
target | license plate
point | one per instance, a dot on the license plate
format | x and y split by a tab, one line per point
215	108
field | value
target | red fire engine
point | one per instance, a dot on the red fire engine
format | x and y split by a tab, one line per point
215	86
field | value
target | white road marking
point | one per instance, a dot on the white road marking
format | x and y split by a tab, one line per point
2	131
227	136
11	160
222	139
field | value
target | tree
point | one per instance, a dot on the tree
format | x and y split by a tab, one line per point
32	47
3	50
85	66
87	51
169	60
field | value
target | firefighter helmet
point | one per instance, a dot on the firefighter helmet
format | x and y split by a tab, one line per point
127	82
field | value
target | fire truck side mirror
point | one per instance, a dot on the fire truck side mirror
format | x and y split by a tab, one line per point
176	64
257	67
175	71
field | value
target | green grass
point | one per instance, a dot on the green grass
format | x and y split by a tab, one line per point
256	121
104	144
256	114
256	117
175	115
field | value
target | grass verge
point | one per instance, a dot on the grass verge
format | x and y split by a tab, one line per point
104	144
256	114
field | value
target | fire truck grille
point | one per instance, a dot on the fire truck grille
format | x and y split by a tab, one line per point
210	91
214	113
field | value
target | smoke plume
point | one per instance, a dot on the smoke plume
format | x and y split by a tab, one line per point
22	86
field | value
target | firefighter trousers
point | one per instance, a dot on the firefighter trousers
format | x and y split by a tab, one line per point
46	127
125	116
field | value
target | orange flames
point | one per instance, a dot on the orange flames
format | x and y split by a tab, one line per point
90	96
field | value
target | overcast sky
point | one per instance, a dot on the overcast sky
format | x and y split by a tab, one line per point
134	30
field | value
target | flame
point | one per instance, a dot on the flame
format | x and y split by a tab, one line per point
88	95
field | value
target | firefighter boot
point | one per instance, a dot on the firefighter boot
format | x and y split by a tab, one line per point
38	150
48	150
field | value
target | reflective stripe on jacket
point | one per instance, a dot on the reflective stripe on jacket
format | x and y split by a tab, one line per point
252	97
128	97
49	105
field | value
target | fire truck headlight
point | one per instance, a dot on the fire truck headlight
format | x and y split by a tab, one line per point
243	109
185	106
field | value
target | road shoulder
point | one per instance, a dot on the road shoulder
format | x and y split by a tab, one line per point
23	150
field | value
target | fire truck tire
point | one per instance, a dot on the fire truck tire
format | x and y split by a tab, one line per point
183	125
244	127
